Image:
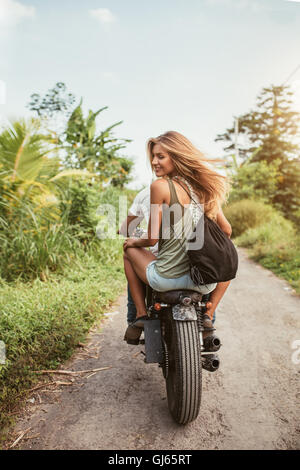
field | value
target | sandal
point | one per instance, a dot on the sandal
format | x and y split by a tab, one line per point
139	321
132	334
134	330
208	326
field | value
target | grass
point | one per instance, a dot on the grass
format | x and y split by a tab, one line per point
41	323
56	280
248	213
276	246
270	238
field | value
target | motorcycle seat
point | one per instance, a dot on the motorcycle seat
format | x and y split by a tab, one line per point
175	296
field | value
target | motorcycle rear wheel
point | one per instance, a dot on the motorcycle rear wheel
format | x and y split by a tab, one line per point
184	376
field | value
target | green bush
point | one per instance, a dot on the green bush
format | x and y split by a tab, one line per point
255	180
277	230
246	214
78	203
276	245
36	239
271	239
283	261
32	244
41	323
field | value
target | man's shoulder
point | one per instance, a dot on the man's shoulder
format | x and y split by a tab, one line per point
142	196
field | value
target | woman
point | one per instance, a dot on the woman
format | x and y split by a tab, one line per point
182	170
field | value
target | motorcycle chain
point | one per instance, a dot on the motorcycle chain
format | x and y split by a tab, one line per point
165	366
199	312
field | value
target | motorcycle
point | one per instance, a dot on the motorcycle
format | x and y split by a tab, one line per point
175	338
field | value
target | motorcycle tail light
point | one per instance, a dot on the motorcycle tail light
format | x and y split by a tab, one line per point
157	306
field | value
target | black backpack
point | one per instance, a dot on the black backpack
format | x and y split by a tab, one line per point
217	259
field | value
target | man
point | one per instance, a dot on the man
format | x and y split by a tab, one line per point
139	210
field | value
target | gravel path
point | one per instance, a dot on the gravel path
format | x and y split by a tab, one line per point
250	403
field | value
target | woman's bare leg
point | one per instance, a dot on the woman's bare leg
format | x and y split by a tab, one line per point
136	261
136	287
216	296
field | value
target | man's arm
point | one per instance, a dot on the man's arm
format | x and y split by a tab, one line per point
158	195
129	225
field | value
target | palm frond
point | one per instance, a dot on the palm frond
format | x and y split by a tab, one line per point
23	148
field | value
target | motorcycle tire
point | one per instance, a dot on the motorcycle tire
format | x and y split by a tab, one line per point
184	377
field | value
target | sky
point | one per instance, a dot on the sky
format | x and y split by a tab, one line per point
189	66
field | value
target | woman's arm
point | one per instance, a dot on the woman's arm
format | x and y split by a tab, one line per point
224	224
158	195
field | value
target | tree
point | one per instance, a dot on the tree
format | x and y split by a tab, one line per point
271	127
24	150
287	196
255	180
29	166
56	100
95	151
268	134
81	146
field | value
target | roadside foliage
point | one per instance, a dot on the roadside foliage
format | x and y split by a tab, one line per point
56	276
264	203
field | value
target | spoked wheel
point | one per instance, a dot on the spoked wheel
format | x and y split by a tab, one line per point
184	374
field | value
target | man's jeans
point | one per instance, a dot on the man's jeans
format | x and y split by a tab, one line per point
131	309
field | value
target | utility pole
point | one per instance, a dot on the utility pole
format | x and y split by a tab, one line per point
236	134
291	75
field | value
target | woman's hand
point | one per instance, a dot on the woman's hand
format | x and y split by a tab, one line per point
129	243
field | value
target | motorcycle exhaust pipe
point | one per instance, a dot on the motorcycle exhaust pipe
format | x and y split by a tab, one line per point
211	343
211	362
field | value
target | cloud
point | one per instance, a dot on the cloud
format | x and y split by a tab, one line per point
12	13
104	15
297	1
253	4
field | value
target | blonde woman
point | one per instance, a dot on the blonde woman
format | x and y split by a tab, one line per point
182	170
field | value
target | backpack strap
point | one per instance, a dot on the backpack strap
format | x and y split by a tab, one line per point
195	274
197	210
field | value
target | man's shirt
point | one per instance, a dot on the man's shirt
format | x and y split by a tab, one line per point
141	208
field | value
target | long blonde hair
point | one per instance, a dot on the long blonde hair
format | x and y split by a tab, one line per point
211	187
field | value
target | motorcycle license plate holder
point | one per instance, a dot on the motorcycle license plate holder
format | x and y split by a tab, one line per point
184	312
153	342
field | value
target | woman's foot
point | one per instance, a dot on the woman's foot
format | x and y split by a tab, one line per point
208	326
207	322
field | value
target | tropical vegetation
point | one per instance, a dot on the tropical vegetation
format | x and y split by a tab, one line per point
56	275
264	166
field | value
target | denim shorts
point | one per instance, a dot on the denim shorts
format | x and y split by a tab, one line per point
162	284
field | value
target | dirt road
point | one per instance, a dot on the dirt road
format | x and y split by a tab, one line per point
250	403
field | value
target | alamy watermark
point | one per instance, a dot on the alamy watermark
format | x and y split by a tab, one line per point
2	92
2	352
296	354
184	223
